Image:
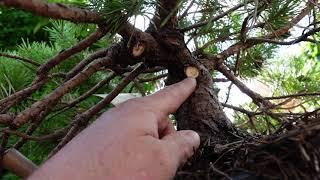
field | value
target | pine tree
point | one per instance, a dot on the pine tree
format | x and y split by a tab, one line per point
43	81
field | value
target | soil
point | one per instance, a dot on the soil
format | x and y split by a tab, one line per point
290	155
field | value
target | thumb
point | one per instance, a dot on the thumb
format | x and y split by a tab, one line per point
182	145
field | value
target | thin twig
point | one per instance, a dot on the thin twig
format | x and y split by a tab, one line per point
88	93
215	18
87	42
98	54
219	172
50	137
153	78
185	13
26	60
294	95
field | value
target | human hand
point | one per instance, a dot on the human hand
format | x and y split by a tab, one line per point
135	140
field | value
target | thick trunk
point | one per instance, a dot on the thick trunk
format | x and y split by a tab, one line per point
203	113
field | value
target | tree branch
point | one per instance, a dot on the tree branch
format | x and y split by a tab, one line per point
257	98
165	9
26	60
294	95
153	78
9	101
6	119
94	37
80	66
244	111
61	11
234	49
50	137
215	18
55	10
185	13
89	93
53	98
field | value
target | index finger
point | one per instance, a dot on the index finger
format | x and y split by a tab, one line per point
168	100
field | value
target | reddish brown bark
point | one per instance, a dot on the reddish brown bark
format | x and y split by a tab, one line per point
53	98
55	10
6	119
45	68
13	99
80	66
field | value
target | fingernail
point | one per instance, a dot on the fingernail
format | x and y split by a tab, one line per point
193	137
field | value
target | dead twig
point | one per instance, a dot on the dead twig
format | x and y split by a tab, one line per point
25	60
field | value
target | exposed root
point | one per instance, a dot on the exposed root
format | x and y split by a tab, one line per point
291	155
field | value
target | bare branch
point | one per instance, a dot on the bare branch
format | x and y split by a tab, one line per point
45	68
61	11
9	101
89	93
294	96
166	11
301	38
234	49
153	78
215	18
257	98
53	98
50	137
80	66
26	60
185	13
36	122
6	119
55	10
244	111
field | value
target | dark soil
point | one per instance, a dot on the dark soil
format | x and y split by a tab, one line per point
288	155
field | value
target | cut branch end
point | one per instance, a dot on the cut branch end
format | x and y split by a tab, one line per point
192	72
138	50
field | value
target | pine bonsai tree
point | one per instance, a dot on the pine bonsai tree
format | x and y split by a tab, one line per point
230	39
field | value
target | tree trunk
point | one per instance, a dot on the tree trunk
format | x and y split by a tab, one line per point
203	113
